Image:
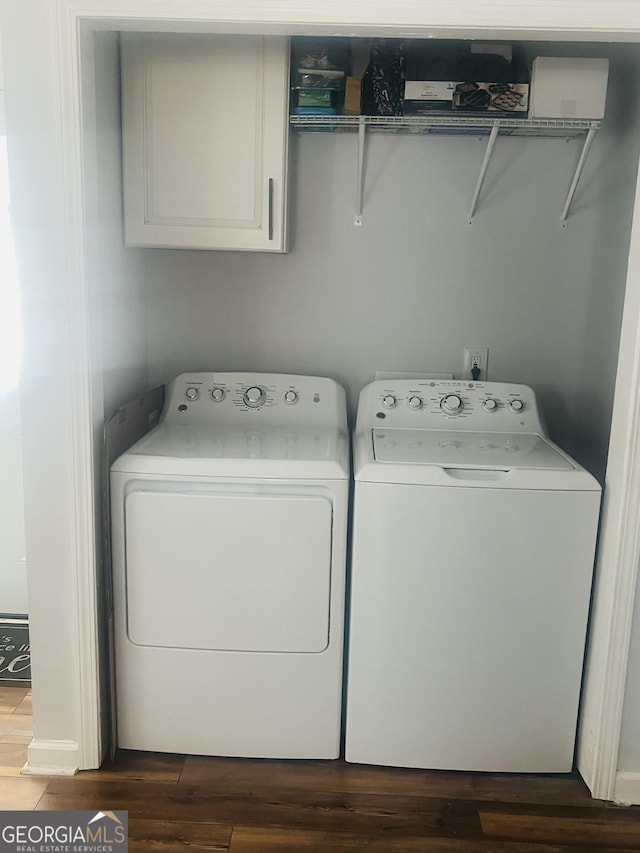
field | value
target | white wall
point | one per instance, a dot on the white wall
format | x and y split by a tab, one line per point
35	160
2	115
13	574
415	284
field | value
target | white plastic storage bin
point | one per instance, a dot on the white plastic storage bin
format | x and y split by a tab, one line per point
568	87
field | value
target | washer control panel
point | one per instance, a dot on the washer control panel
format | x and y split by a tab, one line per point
266	397
449	404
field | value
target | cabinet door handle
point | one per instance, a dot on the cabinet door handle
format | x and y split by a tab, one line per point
270	226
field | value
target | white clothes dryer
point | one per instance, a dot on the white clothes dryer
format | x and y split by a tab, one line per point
229	550
473	552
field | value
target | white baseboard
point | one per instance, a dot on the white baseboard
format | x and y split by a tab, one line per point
627	789
51	758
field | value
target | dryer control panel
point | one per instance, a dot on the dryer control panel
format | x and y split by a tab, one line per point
449	404
266	398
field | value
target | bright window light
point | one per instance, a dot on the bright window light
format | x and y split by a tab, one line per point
10	329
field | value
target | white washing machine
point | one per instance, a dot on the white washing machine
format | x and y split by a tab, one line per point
473	551
229	529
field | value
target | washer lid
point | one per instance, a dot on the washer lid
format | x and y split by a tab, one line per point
466	449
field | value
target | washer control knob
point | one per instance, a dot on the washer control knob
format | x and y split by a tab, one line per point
489	405
291	397
415	402
389	401
218	395
516	406
192	393
451	404
254	397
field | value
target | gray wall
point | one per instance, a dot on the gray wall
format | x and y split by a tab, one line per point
411	287
415	284
117	333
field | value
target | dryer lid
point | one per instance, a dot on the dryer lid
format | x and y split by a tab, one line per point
466	449
211	442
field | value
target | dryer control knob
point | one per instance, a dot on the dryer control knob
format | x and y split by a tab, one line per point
254	397
415	402
217	394
490	405
516	406
389	401
291	397
192	393
451	404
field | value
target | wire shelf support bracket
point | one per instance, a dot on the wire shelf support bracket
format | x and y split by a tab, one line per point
491	127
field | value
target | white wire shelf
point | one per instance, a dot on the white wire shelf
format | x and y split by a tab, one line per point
452	124
491	127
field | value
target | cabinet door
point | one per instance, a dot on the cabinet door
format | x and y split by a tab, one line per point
205	140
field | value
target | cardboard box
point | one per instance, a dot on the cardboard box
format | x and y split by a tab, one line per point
422	97
568	87
352	94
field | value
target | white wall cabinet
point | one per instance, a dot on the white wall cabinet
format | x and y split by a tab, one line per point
205	127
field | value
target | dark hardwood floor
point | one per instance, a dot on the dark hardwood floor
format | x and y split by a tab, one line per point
253	806
188	803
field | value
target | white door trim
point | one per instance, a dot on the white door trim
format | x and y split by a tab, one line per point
90	747
618	555
51	758
552	20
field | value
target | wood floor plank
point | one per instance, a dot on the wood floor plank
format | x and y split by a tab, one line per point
171	836
26	706
24	738
595	828
12	724
232	774
10	770
246	774
13	696
255	840
272	807
13	754
568	789
256	806
21	792
147	766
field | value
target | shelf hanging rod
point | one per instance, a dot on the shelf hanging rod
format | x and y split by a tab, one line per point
483	171
574	183
362	126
